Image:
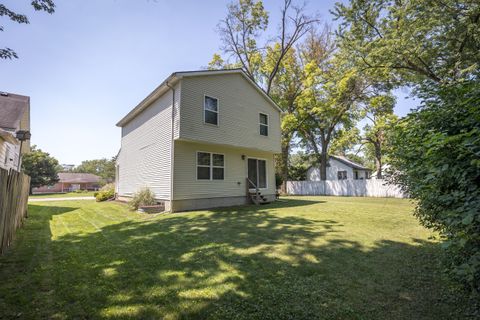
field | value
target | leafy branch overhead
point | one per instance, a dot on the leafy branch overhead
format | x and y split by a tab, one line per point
39	5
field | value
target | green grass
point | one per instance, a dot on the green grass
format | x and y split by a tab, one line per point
301	258
62	195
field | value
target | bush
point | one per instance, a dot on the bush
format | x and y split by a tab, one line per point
107	192
435	155
144	197
78	191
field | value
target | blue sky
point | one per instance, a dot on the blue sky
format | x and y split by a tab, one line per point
89	63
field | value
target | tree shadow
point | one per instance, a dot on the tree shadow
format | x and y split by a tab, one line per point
242	263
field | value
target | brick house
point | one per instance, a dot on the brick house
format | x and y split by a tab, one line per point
70	181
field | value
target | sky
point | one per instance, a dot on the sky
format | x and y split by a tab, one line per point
88	64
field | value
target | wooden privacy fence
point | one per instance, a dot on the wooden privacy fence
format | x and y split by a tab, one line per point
14	190
354	188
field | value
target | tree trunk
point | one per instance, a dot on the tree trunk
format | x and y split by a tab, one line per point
378	159
323	165
284	166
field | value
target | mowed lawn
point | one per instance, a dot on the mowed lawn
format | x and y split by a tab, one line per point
300	258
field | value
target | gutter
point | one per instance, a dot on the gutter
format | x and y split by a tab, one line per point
172	145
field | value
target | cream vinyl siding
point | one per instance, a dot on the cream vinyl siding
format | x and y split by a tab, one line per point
145	156
14	153
187	186
239	105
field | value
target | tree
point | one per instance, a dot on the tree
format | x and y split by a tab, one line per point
41	167
408	42
379	110
275	65
329	101
38	5
105	168
435	153
298	166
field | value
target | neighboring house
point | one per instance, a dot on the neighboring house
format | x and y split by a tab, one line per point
14	117
340	168
70	181
221	130
67	167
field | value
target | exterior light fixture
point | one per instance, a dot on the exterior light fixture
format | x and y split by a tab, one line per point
22	135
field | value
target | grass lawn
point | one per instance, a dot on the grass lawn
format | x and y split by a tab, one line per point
62	195
301	258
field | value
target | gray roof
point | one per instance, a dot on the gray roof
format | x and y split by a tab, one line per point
347	162
72	177
12	108
350	163
175	77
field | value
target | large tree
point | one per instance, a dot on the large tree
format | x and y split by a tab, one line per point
379	112
273	64
41	167
38	5
104	168
408	42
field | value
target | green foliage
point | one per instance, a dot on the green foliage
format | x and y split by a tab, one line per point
298	166
144	197
407	42
41	167
435	154
105	168
107	192
39	5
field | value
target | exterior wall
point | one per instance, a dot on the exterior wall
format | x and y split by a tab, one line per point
14	151
239	105
145	156
313	173
187	186
25	125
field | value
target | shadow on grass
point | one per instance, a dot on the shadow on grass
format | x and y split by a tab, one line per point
242	263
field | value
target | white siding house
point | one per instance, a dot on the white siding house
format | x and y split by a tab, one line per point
221	130
14	116
340	168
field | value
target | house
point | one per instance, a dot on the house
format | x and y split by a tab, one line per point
196	139
14	119
70	181
340	168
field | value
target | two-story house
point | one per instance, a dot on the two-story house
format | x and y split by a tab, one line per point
14	117
201	139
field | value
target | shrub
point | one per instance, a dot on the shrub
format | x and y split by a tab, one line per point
144	197
107	192
78	191
435	155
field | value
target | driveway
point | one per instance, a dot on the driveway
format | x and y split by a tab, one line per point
59	199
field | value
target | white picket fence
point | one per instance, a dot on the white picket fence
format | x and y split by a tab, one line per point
354	188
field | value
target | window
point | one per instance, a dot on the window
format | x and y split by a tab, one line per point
257	173
210	166
342	175
7	154
356	175
263	124
210	110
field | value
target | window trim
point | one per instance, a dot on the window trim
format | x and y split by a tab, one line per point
217	112
266	171
211	166
260	124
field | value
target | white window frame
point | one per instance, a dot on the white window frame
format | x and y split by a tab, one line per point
211	166
217	112
262	124
266	171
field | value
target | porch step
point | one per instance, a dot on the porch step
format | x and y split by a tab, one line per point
258	199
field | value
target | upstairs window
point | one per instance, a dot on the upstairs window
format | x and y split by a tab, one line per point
263	124
342	175
210	166
210	110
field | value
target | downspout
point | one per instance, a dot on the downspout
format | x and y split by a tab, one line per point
172	145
